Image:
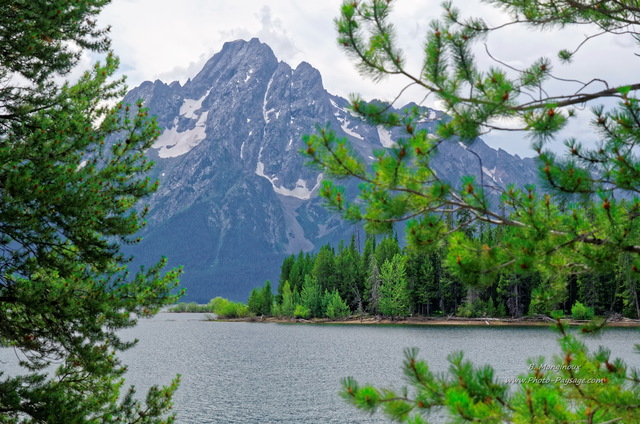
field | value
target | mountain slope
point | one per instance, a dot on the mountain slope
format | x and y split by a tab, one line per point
235	196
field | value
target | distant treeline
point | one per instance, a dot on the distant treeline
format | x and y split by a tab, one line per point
384	279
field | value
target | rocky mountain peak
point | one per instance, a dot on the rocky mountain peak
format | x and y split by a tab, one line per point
235	195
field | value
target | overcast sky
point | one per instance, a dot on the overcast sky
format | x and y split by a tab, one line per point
171	40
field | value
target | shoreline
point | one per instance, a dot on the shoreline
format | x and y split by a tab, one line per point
455	321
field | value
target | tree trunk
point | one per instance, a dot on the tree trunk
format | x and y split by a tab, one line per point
634	293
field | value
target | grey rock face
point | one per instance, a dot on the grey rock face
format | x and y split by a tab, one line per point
235	195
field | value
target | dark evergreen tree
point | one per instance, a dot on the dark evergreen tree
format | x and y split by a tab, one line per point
516	291
261	300
267	298
324	269
547	295
72	174
394	289
387	249
334	306
372	286
296	274
627	286
288	305
423	274
592	289
285	273
369	249
256	301
349	275
311	297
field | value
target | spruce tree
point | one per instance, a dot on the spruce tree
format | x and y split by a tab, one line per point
324	268
288	304
394	290
311	296
255	301
349	275
373	286
285	273
334	306
386	250
580	222
72	174
267	298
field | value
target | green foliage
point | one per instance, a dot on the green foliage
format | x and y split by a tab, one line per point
294	270
478	308
288	304
546	240
224	308
261	300
255	302
373	285
547	296
301	312
386	250
267	298
285	273
544	231
394	291
276	310
217	303
311	297
335	306
581	312
628	287
73	174
324	268
350	274
434	291
190	307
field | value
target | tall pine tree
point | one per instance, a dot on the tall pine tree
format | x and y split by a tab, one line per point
72	173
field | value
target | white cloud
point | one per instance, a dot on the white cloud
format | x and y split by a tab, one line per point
272	32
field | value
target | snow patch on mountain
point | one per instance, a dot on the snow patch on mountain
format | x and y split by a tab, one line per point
190	106
344	122
173	143
433	115
385	137
491	173
345	111
265	112
300	191
345	127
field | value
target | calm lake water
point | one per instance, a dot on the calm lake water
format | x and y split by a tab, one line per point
290	373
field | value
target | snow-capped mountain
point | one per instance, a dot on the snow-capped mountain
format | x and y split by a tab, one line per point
235	195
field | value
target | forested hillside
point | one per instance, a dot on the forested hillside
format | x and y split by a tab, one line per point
378	277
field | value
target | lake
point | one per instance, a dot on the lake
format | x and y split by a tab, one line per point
237	372
244	373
